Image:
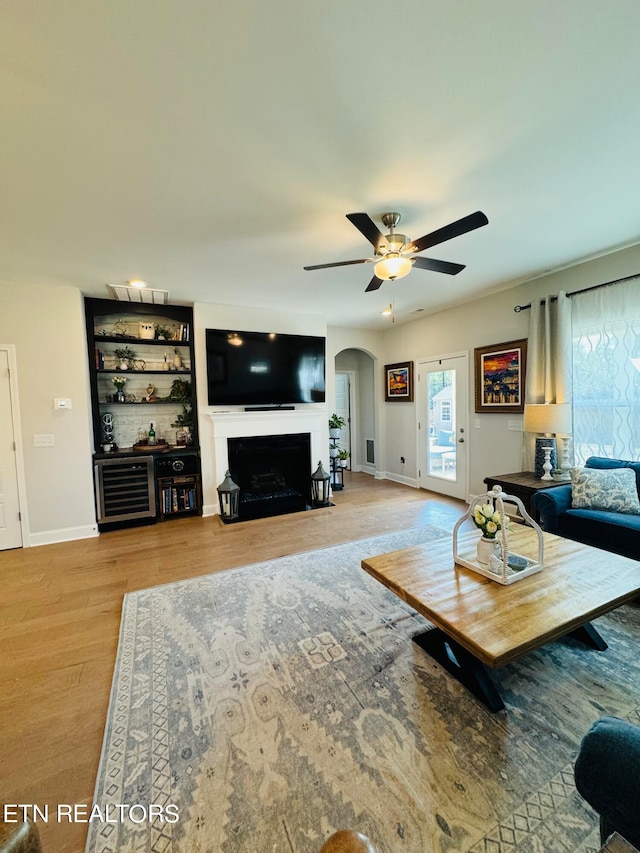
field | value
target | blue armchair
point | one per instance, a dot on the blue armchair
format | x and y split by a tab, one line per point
613	531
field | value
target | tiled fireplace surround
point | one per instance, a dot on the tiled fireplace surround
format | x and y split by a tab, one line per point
246	424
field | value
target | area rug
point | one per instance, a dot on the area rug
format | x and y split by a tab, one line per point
263	708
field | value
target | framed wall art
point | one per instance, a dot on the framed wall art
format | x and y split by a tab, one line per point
398	382
500	376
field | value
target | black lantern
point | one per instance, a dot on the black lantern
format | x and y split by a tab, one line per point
229	495
320	486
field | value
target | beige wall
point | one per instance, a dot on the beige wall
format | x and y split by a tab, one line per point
492	448
46	326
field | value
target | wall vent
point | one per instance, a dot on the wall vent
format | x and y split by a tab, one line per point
370	451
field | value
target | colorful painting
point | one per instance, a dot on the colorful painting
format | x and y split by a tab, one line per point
398	382
500	376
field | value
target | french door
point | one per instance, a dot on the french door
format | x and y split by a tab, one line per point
443	394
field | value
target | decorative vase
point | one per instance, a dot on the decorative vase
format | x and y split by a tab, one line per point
334	432
124	365
486	548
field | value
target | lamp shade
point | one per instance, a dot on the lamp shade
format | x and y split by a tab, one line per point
393	266
547	418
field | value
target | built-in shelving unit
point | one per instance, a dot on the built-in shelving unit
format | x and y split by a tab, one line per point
150	348
158	371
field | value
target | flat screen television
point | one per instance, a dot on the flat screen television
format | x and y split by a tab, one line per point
264	368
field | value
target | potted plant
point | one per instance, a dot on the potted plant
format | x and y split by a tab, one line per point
119	382
181	393
343	457
126	357
164	333
336	423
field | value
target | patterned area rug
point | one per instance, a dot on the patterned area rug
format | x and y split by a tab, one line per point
279	702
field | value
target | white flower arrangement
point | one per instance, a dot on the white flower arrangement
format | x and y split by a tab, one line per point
119	382
487	518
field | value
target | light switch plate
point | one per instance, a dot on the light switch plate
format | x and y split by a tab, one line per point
43	441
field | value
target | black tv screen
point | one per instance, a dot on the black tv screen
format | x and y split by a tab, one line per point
264	368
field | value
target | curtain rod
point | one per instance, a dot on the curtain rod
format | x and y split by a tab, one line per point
519	308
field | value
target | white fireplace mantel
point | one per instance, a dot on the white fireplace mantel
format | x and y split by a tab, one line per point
278	422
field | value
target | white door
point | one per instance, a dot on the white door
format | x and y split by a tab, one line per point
10	527
343	408
443	392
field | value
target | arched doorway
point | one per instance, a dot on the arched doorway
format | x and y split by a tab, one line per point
355	397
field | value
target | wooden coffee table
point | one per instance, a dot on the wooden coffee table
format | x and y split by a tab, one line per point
482	624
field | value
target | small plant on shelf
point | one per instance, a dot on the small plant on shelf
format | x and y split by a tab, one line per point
343	456
164	333
181	393
126	357
336	422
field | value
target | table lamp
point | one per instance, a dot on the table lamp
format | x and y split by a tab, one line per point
550	419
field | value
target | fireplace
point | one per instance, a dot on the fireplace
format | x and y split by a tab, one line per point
273	472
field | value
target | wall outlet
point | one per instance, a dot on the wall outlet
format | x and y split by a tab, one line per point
43	441
476	423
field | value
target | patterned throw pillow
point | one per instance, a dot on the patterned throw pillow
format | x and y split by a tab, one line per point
611	489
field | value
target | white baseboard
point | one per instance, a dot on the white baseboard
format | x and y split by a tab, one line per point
66	534
210	509
400	478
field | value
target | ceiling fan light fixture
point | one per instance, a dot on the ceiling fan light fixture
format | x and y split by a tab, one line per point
397	242
392	266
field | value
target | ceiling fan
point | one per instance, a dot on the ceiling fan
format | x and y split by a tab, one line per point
394	252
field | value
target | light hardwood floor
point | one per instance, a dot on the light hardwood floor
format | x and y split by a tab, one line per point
60	618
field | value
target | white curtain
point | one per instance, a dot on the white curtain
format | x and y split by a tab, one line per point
548	377
606	372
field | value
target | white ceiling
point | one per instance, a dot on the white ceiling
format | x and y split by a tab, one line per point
213	148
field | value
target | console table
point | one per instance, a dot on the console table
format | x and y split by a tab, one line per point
524	485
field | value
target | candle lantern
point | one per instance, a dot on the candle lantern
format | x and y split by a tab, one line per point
320	486
229	496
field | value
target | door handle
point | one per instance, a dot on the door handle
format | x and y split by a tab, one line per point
461	441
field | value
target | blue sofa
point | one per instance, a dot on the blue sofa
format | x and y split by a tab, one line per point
612	531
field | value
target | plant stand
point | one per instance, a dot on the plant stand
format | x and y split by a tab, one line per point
337	475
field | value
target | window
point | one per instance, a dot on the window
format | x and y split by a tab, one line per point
606	373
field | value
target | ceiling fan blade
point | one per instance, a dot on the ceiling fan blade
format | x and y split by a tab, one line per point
437	266
454	229
367	226
374	284
338	264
